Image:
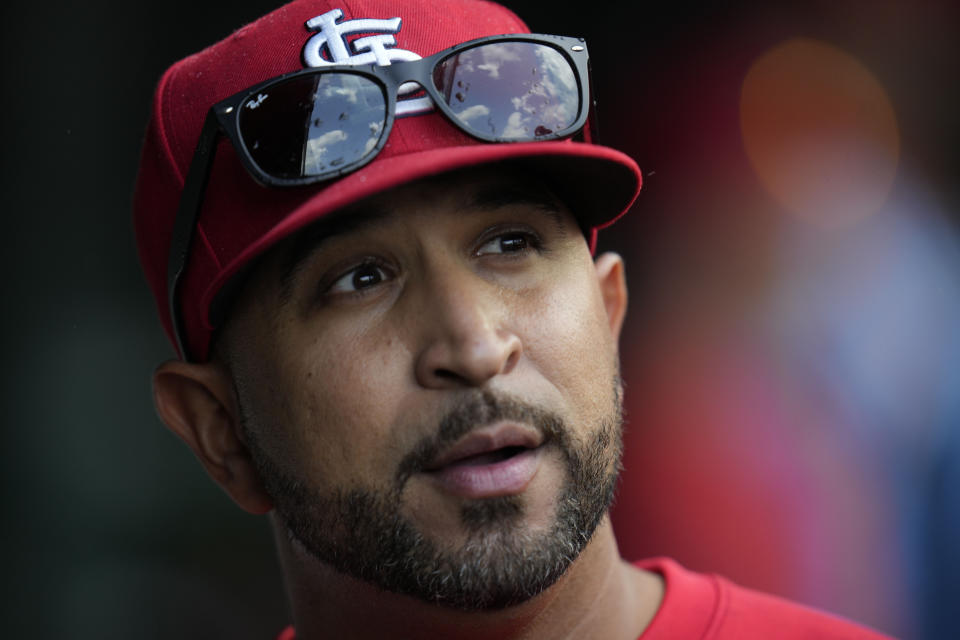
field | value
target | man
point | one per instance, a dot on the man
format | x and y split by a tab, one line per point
376	263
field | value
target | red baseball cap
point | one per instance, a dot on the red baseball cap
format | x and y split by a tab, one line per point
240	219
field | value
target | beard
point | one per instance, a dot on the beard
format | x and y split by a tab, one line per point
361	532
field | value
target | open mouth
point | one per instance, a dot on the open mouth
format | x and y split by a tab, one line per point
495	461
489	457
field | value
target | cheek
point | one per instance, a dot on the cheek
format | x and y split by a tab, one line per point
568	339
339	405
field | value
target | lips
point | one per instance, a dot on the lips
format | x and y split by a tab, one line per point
492	461
487	441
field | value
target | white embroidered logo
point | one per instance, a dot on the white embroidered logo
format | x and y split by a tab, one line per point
379	49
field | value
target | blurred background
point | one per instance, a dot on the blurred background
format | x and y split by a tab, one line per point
792	354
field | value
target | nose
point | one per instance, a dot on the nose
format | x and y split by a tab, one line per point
466	339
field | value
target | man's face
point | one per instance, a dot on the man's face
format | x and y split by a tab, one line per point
429	389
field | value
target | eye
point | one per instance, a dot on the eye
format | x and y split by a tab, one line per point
359	278
505	243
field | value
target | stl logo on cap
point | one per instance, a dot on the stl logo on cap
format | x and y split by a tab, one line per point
379	49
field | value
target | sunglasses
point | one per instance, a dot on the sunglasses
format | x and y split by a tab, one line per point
321	123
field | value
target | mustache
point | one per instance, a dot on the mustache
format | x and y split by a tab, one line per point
474	410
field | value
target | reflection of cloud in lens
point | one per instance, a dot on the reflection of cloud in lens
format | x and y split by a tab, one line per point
492	69
476	111
551	99
330	137
349	93
375	128
557	69
318	147
535	108
493	55
497	54
515	127
546	97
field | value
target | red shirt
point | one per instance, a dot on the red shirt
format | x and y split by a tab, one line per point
707	607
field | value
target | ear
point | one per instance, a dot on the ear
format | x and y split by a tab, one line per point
613	289
196	402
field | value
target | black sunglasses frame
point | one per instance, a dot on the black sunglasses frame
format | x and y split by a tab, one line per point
223	119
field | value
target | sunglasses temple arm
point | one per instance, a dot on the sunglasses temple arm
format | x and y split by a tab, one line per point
186	222
592	130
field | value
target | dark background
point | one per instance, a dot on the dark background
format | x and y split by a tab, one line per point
111	529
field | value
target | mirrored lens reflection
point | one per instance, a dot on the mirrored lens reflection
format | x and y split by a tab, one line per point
314	124
510	90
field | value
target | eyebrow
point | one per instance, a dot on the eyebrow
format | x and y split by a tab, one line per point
311	239
512	194
484	200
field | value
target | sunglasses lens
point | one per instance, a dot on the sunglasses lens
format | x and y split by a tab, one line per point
510	90
313	124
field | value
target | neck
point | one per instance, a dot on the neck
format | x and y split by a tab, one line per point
599	596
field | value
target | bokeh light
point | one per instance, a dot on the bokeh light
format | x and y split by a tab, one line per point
820	132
